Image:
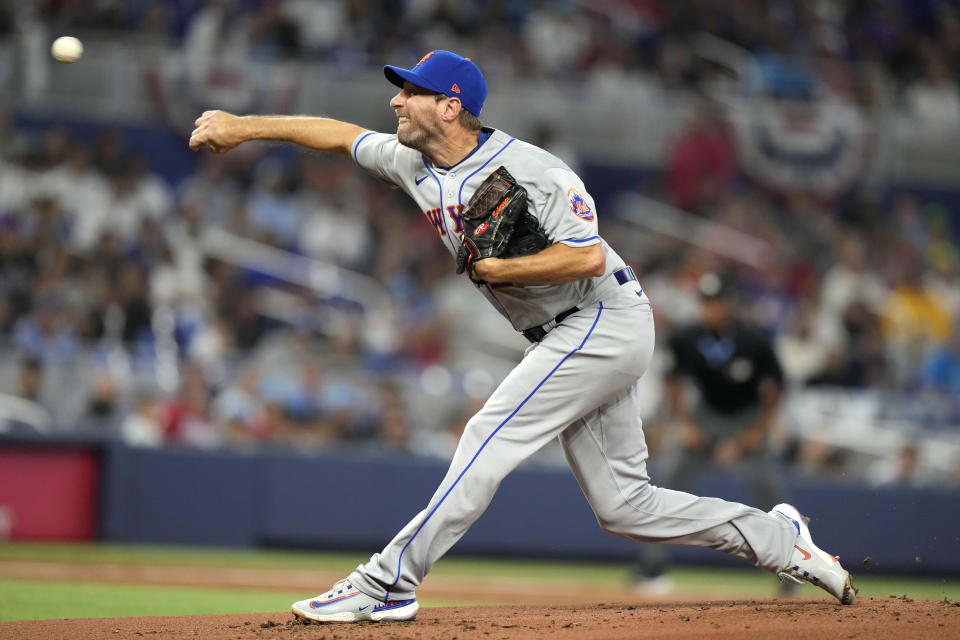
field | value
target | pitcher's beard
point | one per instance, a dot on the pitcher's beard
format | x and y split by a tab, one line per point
418	137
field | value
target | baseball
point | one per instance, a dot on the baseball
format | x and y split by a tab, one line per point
66	49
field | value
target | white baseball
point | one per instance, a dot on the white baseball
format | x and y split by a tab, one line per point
66	49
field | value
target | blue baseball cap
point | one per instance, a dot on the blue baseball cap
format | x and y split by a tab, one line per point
447	73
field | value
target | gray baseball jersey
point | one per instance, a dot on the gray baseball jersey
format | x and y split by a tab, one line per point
556	196
578	383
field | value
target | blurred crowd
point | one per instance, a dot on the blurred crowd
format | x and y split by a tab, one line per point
862	291
105	273
117	317
859	294
801	48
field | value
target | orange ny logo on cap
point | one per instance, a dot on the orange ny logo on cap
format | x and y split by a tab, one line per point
425	57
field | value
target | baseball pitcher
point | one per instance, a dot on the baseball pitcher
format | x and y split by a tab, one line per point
523	227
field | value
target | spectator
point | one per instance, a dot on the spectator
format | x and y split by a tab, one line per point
913	321
186	418
142	427
273	35
85	195
185	237
18	271
313	415
102	402
701	165
942	278
249	326
809	347
851	280
900	469
940	373
934	100
394	432
135	197
47	332
865	360
24	410
242	411
213	188
179	287
30	380
211	346
129	315
12	140
273	209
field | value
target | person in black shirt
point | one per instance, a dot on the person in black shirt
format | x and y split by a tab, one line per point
733	367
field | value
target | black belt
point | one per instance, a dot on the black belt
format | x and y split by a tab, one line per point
536	334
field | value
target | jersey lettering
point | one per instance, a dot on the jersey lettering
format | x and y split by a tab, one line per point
435	216
456	214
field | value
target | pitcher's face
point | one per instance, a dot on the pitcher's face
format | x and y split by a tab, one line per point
418	118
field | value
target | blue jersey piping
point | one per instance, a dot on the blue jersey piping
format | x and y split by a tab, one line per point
502	149
443	215
482	137
356	145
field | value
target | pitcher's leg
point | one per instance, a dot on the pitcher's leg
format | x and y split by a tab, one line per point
607	451
557	382
483	458
681	471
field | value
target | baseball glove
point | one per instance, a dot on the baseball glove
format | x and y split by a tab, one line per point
497	224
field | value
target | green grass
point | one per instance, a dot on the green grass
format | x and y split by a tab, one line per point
917	588
271	559
31	599
177	556
44	599
748	583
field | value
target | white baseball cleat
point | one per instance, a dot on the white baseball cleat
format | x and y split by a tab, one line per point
811	564
345	603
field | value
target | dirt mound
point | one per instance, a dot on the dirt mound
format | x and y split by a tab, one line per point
867	618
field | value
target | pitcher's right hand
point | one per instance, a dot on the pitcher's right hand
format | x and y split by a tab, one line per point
219	131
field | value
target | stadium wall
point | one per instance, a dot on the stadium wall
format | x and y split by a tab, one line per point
359	501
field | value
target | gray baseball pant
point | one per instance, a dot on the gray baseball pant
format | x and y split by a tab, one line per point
578	384
684	467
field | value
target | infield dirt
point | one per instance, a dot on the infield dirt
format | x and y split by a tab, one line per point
542	609
808	619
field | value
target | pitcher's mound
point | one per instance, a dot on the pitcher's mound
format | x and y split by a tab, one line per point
892	618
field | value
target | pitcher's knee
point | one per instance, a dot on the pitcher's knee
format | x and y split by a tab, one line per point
616	527
622	516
